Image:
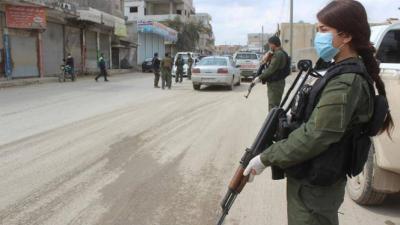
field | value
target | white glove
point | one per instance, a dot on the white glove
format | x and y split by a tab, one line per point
256	80
255	167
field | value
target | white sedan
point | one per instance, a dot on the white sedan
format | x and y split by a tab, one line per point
216	70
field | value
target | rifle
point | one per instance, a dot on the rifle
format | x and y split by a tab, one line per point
267	135
264	64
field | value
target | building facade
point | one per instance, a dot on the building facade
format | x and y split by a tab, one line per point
158	10
144	19
303	42
256	41
206	45
227	49
37	35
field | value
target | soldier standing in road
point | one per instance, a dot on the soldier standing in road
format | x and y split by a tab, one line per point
103	68
179	69
271	75
156	68
166	67
190	65
318	155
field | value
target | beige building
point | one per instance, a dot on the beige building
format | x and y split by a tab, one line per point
206	43
227	49
303	43
255	41
158	10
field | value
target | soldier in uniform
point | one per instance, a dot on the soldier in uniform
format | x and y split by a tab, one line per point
179	69
345	102
278	62
166	67
190	65
156	68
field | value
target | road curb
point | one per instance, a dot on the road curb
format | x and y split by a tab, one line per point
34	81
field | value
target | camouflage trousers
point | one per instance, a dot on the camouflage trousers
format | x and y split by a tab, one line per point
313	205
166	78
275	93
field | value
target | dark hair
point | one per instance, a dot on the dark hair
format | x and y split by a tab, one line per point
350	17
275	40
156	54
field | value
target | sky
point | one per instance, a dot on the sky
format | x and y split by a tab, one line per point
234	19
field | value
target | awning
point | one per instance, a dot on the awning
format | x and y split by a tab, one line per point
90	14
167	33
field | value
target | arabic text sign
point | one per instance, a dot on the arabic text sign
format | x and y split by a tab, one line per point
25	17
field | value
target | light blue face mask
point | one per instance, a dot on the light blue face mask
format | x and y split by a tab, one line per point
324	44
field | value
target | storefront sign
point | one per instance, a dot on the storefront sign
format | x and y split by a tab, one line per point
159	29
120	28
25	17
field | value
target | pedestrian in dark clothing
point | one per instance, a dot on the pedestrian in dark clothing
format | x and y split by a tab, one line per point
156	68
70	62
103	68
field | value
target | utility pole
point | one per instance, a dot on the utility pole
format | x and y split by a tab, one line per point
262	39
291	28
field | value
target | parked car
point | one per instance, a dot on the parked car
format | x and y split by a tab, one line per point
381	175
185	58
147	65
215	70
249	63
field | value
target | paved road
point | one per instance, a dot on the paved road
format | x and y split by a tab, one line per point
123	153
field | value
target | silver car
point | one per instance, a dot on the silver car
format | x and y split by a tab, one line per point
216	70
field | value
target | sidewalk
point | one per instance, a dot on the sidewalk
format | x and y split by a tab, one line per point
4	83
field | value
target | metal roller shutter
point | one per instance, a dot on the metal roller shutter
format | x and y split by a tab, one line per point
105	47
53	49
73	45
24	56
91	49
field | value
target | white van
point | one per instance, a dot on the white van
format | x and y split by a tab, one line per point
381	175
185	57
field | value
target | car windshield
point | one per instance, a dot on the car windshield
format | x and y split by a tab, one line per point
246	56
149	60
213	62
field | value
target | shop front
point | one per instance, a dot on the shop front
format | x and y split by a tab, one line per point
23	40
152	38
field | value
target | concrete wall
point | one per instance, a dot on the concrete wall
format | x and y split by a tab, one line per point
303	42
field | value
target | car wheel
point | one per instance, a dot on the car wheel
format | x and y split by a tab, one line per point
196	86
360	187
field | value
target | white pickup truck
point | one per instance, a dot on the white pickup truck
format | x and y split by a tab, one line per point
381	175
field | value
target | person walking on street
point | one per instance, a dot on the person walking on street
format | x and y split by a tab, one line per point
156	67
272	75
179	69
316	155
190	65
166	67
103	68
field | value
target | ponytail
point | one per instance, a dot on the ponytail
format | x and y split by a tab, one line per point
367	54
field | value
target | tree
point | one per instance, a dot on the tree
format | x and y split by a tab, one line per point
188	33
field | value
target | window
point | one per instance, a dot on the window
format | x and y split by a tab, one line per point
213	62
133	9
179	12
389	51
